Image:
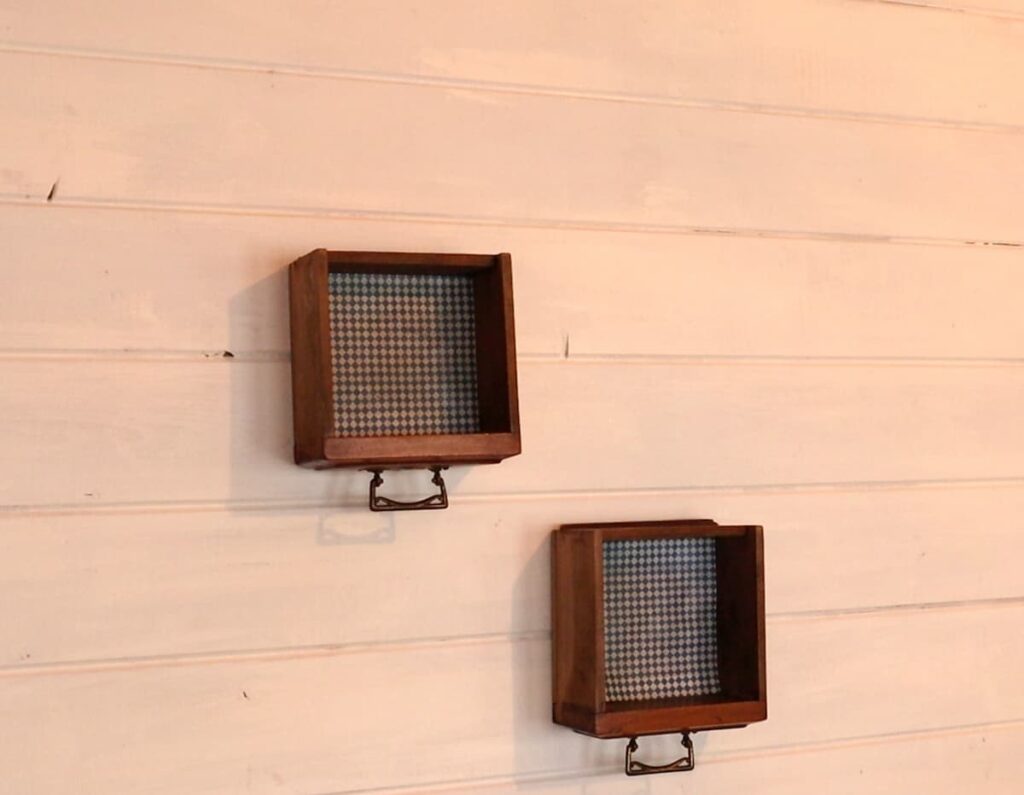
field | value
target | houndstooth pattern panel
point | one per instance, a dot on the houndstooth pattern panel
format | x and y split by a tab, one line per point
403	354
660	605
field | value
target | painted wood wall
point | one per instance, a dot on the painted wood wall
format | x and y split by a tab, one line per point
767	268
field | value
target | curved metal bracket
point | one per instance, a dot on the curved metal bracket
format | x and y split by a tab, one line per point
682	764
437	501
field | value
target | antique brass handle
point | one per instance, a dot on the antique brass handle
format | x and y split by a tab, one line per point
683	763
433	502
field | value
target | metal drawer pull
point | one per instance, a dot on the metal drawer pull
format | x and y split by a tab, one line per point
683	763
433	502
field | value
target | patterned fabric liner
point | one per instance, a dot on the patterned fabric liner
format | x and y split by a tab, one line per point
660	607
403	354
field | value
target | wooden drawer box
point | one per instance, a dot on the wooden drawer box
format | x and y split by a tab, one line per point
658	627
402	360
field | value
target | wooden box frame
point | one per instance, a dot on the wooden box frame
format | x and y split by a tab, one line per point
316	445
578	676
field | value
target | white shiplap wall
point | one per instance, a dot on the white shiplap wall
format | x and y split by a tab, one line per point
767	269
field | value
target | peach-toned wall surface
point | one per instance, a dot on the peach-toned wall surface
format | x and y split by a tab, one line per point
768	269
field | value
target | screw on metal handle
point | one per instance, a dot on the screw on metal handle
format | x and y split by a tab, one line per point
437	501
682	764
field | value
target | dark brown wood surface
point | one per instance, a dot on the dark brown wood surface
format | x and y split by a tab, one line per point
578	686
408	262
317	447
410	451
653	719
577	627
739	561
497	387
312	390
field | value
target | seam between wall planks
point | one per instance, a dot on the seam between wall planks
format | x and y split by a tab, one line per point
493	87
278	505
237	356
710	758
971	10
147	355
288	653
589	225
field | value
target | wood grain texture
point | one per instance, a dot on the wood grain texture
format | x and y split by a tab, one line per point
334	723
421	451
105	129
790	56
312	384
577	629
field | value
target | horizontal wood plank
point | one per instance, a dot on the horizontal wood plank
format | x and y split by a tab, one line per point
787	56
108	130
89	587
336	723
221	431
985	759
217	283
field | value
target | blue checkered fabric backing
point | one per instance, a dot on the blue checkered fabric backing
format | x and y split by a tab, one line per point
660	608
403	354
